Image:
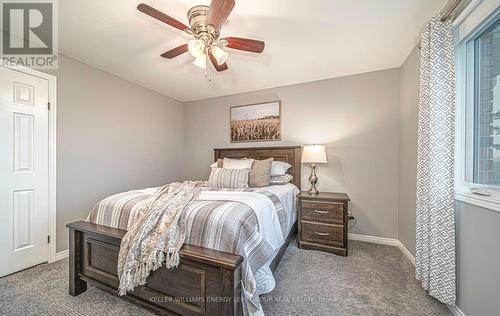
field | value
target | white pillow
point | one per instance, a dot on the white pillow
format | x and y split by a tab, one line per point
237	163
278	168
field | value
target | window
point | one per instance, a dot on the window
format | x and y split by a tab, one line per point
487	106
478	113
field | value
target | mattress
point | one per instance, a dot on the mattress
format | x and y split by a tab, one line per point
121	210
287	194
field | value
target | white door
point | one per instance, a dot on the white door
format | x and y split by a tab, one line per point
24	127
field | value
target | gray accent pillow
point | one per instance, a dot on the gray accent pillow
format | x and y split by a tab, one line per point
228	178
260	173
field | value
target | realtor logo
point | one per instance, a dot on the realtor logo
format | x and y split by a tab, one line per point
29	34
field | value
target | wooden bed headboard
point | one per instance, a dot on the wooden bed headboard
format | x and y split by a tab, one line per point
290	154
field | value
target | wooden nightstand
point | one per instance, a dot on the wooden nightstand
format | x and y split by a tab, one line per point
323	222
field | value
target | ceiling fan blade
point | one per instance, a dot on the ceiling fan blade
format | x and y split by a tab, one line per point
152	12
175	52
218	12
246	44
216	65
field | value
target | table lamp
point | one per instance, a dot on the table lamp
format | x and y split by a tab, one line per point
313	154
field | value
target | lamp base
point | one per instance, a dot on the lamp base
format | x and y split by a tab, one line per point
312	192
313	179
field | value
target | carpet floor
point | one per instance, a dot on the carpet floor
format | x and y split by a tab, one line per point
373	280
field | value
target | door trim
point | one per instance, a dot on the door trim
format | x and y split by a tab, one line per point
52	81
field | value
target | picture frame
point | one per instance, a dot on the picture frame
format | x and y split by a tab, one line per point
258	122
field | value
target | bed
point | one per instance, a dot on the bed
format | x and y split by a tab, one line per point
206	282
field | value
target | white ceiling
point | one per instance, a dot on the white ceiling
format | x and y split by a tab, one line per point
306	40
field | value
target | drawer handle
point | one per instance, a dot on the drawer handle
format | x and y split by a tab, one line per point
322	234
321	212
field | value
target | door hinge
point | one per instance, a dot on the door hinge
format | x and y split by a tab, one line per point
48	105
48	239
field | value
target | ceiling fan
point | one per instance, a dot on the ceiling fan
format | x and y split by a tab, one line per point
205	25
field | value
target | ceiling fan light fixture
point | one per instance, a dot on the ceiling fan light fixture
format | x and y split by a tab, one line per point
204	28
201	61
219	54
196	47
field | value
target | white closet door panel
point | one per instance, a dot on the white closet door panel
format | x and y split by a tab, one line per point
23	170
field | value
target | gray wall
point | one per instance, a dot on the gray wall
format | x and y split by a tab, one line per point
408	121
355	116
477	229
112	136
478	260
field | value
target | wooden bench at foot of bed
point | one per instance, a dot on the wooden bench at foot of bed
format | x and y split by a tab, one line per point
207	282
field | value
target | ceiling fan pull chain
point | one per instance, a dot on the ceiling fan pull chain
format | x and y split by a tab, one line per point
207	68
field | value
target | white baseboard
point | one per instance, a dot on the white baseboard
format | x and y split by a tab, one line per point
375	239
456	311
384	241
406	252
62	255
396	243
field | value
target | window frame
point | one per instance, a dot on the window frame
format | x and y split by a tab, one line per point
465	55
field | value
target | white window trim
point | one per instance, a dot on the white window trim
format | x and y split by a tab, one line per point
478	12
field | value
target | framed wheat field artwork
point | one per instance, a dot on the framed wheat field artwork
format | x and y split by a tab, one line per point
256	122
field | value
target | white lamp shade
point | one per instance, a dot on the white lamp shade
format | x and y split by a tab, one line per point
219	54
201	61
196	48
314	154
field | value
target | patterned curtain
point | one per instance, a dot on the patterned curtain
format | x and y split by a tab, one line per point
435	253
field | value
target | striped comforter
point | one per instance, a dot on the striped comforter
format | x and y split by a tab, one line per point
221	225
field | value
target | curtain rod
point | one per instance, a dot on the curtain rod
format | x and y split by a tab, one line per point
452	9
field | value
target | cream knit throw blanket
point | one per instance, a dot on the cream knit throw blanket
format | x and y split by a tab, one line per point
157	236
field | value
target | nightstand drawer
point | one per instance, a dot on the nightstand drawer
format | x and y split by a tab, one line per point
323	234
323	212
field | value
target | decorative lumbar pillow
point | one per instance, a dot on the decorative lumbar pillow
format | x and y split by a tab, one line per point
260	173
228	178
279	168
229	163
217	164
283	179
